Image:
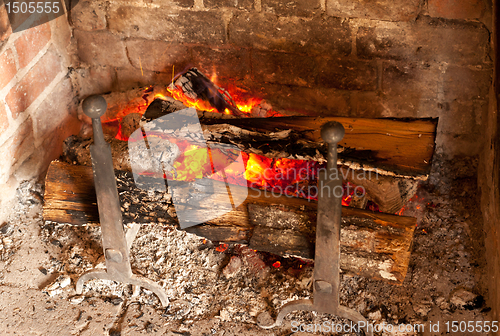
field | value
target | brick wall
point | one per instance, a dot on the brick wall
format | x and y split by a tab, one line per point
489	181
37	102
409	58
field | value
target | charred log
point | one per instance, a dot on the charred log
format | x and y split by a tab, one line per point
374	245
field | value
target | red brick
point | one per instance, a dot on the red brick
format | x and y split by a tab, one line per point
33	83
17	20
18	147
101	48
5	29
61	35
23	21
389	10
31	42
456	9
7	67
292	8
283	68
50	149
168	24
4	122
324	35
53	110
426	39
89	15
157	55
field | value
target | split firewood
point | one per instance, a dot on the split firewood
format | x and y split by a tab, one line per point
390	193
403	147
395	147
373	245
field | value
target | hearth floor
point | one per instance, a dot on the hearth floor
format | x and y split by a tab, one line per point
214	291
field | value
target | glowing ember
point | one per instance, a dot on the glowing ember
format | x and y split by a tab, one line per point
413	207
221	248
277	264
288	177
298	178
197	103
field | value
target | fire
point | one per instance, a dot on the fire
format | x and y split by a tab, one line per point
254	171
277	264
412	207
288	177
195	89
194	163
244	106
198	104
298	178
221	248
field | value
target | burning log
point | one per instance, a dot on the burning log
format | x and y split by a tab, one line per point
374	245
194	86
403	147
390	193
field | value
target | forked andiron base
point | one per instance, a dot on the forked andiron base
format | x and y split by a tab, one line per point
326	277
115	242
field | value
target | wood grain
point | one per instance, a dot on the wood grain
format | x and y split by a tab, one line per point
403	146
374	245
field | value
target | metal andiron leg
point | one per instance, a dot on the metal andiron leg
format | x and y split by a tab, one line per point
114	240
326	278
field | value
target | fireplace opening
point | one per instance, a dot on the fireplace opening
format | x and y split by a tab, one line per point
413	83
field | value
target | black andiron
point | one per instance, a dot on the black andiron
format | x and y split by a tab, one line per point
326	277
115	241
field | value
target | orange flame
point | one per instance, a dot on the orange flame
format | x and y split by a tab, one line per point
198	104
286	176
221	248
244	106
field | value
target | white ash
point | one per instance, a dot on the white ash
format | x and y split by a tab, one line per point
204	284
188	268
443	282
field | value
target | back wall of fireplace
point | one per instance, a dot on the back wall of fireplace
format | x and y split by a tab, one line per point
345	58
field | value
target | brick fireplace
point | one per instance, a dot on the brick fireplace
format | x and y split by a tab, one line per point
305	57
37	109
390	59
